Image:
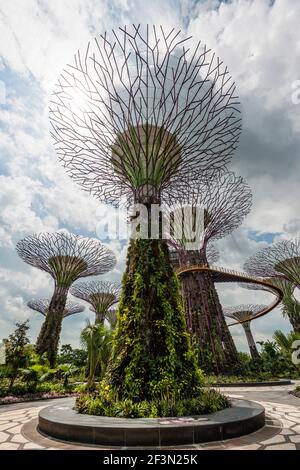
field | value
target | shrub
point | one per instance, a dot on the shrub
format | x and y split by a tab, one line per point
208	401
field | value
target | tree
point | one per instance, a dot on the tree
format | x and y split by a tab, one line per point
78	357
97	341
42	306
244	314
66	257
226	200
101	295
15	350
135	115
280	263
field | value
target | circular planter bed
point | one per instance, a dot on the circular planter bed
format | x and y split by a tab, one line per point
254	384
64	423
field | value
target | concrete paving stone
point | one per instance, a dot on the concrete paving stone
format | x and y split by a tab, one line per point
274	440
4	427
9	446
250	447
286	423
16	430
32	446
296	429
19	438
295	439
3	436
287	446
287	432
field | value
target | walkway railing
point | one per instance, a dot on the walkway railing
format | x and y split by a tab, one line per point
236	276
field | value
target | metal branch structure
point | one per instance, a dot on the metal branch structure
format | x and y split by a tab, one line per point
66	257
225	201
102	295
279	260
178	256
137	115
142	109
244	314
290	307
42	306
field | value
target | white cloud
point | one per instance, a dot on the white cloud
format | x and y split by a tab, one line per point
258	43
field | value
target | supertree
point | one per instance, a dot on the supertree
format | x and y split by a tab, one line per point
137	113
66	257
244	314
225	201
111	317
282	259
102	295
42	306
290	307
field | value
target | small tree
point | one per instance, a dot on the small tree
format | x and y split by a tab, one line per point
97	341
15	350
77	357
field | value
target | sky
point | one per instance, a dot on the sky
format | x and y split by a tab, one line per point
259	42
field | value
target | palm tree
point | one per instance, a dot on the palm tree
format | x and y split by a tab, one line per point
36	373
65	371
97	341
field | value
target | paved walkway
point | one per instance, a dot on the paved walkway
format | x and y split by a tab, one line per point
18	424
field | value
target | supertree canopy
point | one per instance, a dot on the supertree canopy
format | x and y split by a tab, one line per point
281	259
42	306
133	117
179	256
102	295
142	109
66	257
244	314
225	201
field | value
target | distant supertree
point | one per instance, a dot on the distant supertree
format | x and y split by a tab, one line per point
244	315
225	202
42	306
66	257
290	307
135	115
102	295
111	317
281	259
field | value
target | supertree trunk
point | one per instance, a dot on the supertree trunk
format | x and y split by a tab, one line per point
99	317
152	356
48	338
217	351
251	343
205	319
